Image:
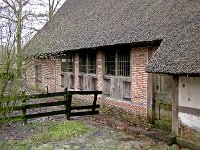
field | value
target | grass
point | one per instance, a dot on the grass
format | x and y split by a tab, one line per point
48	132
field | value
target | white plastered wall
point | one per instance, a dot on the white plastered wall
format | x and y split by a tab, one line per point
189	96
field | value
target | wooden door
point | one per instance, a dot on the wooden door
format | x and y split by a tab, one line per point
163	98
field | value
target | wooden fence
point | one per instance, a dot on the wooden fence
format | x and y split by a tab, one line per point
67	102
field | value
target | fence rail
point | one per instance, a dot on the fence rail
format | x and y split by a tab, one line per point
66	102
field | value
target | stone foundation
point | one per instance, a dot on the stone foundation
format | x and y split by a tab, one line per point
121	110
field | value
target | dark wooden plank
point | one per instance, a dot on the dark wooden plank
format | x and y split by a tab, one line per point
84	113
84	107
94	102
84	92
45	104
46	114
45	95
31	106
67	104
18	118
24	111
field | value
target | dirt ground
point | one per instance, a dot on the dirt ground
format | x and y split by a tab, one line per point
104	135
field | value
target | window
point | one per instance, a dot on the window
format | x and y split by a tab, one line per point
92	63
87	62
117	63
67	63
123	63
82	63
110	63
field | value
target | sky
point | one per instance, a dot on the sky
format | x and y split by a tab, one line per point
32	22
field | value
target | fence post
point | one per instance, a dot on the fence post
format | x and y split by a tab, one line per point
47	89
24	112
94	102
67	104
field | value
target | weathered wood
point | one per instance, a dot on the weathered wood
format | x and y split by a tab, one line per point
84	107
84	92
31	106
18	118
187	144
24	111
84	113
45	104
46	114
21	97
67	104
150	98
94	102
175	105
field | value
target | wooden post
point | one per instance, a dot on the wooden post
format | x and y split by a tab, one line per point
150	98
68	104
47	91
94	102
24	112
175	105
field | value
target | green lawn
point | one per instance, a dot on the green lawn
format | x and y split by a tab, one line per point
48	132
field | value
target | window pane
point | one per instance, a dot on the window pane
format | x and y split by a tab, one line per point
92	63
123	64
110	63
82	63
64	64
67	63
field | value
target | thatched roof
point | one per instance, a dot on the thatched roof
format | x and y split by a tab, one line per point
80	24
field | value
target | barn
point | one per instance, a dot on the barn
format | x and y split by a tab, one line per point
110	45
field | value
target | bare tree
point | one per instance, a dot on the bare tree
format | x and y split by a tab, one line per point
51	7
10	75
18	19
17	15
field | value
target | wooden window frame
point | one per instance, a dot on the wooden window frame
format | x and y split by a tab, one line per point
120	65
68	64
87	63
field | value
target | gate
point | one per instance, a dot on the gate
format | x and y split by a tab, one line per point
66	102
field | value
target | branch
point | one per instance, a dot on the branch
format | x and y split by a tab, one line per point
7	18
58	2
13	7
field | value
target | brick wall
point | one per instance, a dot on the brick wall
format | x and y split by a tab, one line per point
139	76
30	74
58	75
121	110
50	71
48	74
100	70
134	111
76	70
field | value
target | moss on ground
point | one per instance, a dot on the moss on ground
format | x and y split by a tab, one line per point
47	132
